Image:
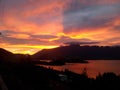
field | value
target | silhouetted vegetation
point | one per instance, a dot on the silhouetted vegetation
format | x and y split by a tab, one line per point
39	78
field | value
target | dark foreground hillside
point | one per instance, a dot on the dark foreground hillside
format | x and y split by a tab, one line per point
19	73
39	78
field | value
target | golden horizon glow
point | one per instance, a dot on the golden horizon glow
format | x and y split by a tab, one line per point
24	49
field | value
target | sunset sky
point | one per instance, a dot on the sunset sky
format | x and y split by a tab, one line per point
27	26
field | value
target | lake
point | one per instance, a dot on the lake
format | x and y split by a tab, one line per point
94	67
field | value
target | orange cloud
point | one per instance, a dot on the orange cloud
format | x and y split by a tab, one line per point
51	8
20	36
48	17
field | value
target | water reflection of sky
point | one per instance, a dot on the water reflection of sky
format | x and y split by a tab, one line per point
94	67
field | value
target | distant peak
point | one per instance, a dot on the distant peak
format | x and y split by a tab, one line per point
4	51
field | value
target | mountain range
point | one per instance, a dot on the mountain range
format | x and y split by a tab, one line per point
80	52
65	52
7	57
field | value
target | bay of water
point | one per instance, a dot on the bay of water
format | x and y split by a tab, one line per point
93	68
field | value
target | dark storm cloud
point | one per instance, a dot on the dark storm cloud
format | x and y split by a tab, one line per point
79	15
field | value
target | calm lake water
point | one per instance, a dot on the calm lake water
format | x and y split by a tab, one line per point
93	67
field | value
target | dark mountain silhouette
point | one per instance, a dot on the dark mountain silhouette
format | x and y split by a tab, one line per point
5	55
4	52
79	52
8	58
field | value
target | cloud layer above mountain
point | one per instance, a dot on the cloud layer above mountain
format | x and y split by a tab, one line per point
36	24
